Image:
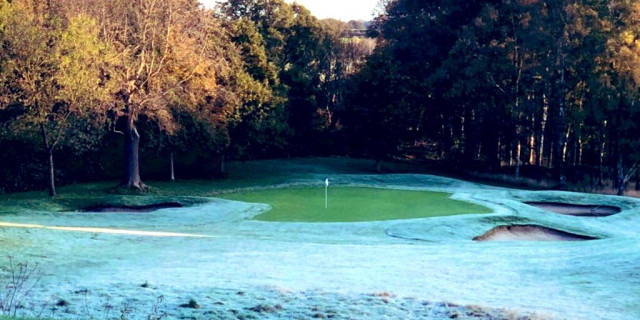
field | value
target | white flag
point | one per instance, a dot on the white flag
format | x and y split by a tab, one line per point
326	182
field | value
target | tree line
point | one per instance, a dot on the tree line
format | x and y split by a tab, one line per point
86	84
128	88
549	86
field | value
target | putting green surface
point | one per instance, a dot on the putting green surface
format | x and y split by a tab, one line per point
354	204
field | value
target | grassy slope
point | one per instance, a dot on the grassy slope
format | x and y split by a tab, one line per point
354	204
242	175
245	176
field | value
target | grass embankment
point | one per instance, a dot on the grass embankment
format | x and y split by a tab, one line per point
346	204
241	176
354	204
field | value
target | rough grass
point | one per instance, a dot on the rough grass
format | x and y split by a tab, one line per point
354	204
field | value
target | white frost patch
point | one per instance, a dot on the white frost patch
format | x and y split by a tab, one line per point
103	230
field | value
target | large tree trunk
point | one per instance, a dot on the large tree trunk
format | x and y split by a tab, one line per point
132	163
51	172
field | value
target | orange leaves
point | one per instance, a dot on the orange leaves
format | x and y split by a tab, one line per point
167	62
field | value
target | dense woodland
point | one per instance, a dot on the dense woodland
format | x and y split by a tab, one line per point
157	88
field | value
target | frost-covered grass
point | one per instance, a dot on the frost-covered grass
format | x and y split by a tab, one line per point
350	204
22	318
426	268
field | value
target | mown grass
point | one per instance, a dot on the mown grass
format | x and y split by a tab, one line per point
353	204
347	204
241	175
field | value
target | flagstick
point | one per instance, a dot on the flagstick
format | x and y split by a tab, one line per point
326	193
326	196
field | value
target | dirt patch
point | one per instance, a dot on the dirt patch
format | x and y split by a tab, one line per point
529	233
122	208
576	209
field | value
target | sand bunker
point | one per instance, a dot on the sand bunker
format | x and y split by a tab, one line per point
576	209
529	233
122	208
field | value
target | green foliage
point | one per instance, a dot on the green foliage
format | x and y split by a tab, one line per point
259	123
55	76
255	79
541	83
303	61
544	83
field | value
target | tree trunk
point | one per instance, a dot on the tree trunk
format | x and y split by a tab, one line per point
469	140
558	155
51	172
560	139
621	183
566	153
510	155
222	168
132	163
52	176
518	155
601	146
543	128
173	173
378	165
580	151
532	145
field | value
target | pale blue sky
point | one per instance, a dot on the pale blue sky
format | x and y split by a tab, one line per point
340	9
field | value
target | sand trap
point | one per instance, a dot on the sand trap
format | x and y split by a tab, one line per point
576	209
147	208
529	233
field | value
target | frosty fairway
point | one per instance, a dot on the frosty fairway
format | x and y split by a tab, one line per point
338	266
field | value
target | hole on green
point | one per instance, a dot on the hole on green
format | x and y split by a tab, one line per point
347	204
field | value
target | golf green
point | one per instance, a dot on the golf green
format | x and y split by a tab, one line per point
346	204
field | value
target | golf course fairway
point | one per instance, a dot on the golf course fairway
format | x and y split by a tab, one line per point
353	204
